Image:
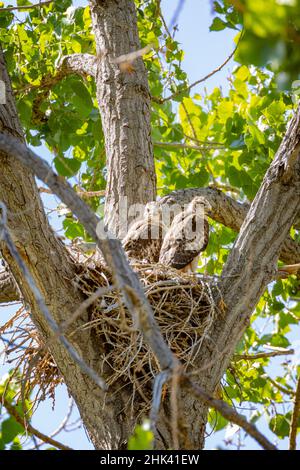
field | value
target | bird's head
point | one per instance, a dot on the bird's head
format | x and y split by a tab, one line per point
152	209
199	203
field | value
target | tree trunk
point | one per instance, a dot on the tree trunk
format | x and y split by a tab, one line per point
54	274
124	102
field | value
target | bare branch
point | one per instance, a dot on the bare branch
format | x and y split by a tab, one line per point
201	80
295	418
125	279
27	7
180	145
281	388
8	289
262	355
29	428
85	194
6	237
230	414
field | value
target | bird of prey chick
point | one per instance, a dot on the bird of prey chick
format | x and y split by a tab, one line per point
144	238
187	237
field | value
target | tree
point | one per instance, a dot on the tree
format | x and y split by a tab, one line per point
237	151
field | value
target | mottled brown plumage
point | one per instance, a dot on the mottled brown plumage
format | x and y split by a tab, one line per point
144	238
186	238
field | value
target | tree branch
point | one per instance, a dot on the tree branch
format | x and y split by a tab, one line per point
262	355
252	261
8	289
27	7
125	279
80	64
230	414
201	80
181	145
230	213
29	428
295	418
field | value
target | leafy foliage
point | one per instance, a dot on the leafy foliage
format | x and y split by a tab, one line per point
228	141
142	438
11	431
271	34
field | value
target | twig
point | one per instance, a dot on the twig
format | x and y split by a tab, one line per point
281	388
80	193
230	414
295	418
201	80
181	145
262	355
176	14
27	7
159	382
6	237
84	306
175	379
47	439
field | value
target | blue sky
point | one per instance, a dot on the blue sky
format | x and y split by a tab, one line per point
204	51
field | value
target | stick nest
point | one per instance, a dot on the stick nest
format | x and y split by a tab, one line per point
183	307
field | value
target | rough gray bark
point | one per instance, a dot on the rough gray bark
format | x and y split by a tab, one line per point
124	102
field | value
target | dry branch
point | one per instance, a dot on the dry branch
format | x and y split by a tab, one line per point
295	417
230	414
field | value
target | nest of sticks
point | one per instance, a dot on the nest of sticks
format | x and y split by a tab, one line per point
183	306
34	371
184	309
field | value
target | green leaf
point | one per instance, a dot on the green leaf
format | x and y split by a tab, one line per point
199	178
67	166
280	425
142	438
225	110
218	24
10	429
234	176
216	420
81	99
73	229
